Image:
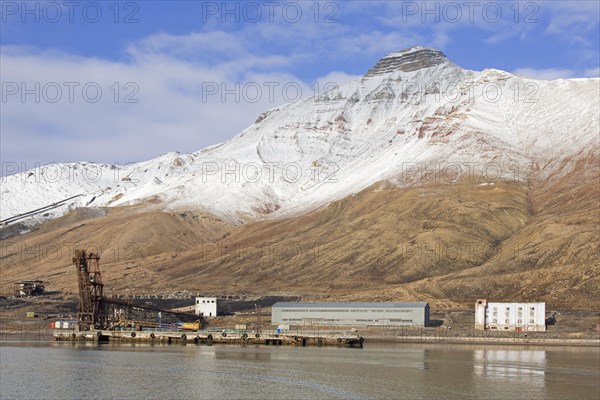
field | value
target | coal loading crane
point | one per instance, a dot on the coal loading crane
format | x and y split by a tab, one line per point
97	312
91	291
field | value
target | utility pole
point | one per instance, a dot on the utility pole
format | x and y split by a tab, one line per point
258	318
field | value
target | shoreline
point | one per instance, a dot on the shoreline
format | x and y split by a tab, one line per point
485	340
541	342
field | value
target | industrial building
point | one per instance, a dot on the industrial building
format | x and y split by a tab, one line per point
350	313
206	306
510	316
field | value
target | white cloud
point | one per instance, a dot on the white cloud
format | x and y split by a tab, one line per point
571	15
375	42
548	74
194	44
573	22
592	72
174	109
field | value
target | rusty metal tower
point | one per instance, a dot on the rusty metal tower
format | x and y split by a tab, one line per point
91	308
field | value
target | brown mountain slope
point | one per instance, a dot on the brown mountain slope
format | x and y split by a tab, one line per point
554	256
446	244
123	236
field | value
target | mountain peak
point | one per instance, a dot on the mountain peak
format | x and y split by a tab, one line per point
407	60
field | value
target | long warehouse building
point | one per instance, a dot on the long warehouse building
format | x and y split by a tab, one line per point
350	313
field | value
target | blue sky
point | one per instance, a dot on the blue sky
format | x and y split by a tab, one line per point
154	60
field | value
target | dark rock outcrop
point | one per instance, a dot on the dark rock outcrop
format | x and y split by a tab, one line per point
408	60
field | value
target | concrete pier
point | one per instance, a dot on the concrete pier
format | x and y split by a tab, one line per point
209	338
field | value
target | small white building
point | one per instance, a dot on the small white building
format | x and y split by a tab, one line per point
206	306
510	316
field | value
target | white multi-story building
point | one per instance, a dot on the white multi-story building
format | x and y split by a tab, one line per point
510	316
206	306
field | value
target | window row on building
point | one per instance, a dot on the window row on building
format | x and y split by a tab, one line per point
510	316
350	313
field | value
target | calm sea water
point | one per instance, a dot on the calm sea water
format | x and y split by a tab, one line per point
75	371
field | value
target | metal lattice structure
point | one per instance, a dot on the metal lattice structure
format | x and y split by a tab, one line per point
97	312
91	296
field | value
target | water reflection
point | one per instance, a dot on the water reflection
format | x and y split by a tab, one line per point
527	365
252	355
386	372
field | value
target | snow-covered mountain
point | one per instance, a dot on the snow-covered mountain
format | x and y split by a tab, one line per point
415	117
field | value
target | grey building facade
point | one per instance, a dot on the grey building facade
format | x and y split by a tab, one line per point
350	313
